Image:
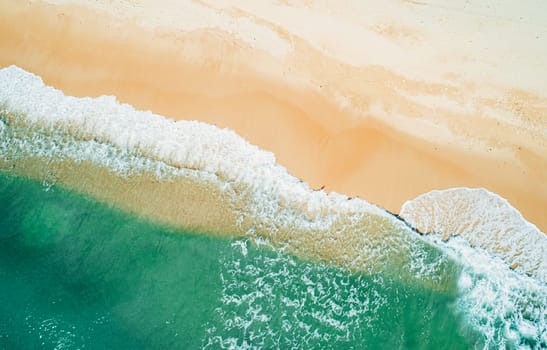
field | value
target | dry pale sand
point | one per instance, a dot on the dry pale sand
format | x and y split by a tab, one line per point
382	101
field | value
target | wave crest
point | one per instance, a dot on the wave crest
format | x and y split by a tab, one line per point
485	220
268	202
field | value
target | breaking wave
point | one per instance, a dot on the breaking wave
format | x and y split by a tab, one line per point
496	265
485	220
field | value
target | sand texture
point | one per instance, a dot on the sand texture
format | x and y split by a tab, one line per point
383	101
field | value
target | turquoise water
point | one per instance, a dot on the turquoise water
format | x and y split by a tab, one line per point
76	273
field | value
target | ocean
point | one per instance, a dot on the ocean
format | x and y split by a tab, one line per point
93	255
77	273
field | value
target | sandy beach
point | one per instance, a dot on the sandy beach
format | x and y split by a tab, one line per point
384	102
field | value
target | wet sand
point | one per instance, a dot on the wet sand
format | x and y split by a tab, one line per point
386	133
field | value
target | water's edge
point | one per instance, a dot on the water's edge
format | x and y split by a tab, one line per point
192	176
75	272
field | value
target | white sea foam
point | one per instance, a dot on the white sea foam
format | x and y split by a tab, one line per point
485	220
182	144
508	308
116	136
269	201
320	305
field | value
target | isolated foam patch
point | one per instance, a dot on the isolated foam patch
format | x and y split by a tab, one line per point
485	220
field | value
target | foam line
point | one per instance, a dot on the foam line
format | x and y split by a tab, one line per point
485	220
272	206
183	144
269	201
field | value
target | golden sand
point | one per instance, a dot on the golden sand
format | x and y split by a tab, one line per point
359	128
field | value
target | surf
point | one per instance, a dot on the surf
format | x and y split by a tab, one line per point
485	220
77	273
160	170
260	198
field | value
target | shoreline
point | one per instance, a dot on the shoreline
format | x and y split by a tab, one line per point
315	226
196	176
301	106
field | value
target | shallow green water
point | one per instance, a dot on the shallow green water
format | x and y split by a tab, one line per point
75	273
